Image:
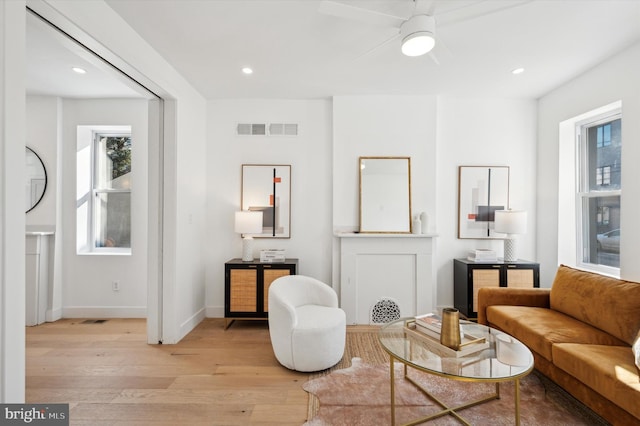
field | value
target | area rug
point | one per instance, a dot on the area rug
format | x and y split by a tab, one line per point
360	395
363	348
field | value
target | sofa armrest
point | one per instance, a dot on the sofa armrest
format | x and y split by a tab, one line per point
487	296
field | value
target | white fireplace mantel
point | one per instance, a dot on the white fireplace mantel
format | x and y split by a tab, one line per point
378	266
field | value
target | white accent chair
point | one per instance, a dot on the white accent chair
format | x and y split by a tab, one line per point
307	328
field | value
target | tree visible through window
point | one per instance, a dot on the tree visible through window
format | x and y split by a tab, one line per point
112	191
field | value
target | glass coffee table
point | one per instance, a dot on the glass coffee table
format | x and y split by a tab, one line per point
403	345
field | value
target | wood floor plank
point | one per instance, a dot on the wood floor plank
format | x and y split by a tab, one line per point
110	376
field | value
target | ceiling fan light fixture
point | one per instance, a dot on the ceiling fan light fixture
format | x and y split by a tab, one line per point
418	44
418	35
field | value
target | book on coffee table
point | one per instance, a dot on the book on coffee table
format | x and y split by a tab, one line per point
469	344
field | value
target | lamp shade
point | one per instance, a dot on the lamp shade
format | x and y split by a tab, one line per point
511	221
248	222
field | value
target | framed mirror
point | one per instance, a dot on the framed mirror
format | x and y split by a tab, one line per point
385	194
36	179
267	188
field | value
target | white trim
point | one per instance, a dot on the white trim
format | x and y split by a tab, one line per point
568	178
12	218
104	312
187	326
215	312
53	315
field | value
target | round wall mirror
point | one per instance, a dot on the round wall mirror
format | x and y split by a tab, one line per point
36	179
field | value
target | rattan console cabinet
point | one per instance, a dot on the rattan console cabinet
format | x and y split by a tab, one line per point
469	277
246	287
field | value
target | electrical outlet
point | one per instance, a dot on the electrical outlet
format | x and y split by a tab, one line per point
115	285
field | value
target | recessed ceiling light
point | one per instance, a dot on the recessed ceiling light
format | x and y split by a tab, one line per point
247	70
79	70
517	71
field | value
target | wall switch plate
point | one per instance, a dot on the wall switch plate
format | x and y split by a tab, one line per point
115	286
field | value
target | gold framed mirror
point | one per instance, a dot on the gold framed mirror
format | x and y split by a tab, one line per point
385	194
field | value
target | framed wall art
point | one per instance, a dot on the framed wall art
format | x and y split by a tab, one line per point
481	191
267	188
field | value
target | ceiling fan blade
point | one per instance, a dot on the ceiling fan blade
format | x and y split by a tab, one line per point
434	58
379	46
346	11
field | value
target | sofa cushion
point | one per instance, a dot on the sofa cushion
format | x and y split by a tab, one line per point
609	370
607	303
540	328
636	350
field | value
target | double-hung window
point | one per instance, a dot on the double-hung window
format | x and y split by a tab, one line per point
112	190
599	191
104	189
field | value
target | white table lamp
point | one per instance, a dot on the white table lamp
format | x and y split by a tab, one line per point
248	222
510	222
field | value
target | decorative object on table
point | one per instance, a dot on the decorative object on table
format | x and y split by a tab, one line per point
482	255
385	195
267	189
246	224
416	226
511	352
450	334
424	222
469	344
510	222
481	191
430	321
272	255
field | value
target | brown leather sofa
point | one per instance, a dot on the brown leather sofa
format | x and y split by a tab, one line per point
580	332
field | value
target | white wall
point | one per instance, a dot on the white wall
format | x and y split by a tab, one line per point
43	121
483	132
97	26
397	126
12	218
87	278
394	126
439	134
43	135
309	155
615	79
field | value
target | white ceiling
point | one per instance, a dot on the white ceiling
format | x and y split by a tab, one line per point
298	52
50	57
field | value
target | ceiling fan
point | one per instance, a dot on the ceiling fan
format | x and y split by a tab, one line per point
417	30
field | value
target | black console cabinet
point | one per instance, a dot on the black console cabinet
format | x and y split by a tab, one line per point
470	276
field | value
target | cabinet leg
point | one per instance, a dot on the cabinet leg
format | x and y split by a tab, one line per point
228	322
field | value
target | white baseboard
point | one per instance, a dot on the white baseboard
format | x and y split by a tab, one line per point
53	315
215	311
104	312
191	323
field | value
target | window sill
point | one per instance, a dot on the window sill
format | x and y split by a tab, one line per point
104	253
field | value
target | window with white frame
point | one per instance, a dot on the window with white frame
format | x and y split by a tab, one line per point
599	191
104	189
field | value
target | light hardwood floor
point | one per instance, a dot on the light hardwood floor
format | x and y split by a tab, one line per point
110	376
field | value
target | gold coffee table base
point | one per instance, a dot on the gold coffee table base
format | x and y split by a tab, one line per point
447	410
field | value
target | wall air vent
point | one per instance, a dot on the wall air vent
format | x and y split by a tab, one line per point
260	129
248	129
283	129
